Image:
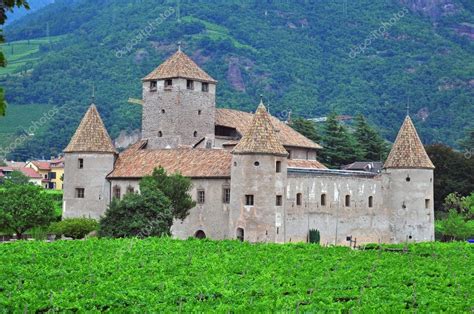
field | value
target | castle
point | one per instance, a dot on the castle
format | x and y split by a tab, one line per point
254	177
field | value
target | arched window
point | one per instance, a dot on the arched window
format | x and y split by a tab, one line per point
200	234
299	199
348	201
160	134
195	133
323	199
240	234
130	189
371	201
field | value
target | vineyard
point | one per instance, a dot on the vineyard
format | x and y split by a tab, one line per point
169	275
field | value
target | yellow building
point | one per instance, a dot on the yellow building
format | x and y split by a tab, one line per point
51	171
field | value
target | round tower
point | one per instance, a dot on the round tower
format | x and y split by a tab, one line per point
88	159
178	105
258	183
408	188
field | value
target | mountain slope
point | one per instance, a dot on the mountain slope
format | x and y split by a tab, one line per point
302	56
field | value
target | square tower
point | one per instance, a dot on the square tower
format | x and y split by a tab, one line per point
179	105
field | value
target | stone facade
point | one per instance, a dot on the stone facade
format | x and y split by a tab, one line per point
257	180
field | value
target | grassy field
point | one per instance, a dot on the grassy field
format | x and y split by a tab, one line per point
19	118
151	275
22	54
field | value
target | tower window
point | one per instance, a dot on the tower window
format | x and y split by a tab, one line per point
289	154
226	195
205	87
160	134
249	200
201	196
299	199
371	201
278	166
408	179
163	110
199	112
427	203
279	200
153	86
80	163
195	134
256	164
323	199
117	192
130	189
168	84
189	84
348	200
79	192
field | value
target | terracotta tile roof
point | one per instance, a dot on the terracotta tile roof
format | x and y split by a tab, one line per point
42	165
30	173
91	135
305	164
260	137
241	121
408	151
179	65
194	163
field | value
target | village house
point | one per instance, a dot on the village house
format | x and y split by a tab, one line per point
254	177
51	171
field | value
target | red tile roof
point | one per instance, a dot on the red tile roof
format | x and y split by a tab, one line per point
305	164
179	65
241	121
194	163
30	173
408	151
42	165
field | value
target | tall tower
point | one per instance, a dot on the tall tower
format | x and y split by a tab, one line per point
408	187
88	159
258	184
179	104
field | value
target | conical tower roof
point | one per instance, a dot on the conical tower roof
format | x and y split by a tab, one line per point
408	151
91	135
260	138
179	65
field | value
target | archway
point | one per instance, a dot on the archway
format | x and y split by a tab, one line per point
200	234
240	234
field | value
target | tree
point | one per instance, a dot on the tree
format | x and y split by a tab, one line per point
17	177
372	145
7	5
306	127
175	187
162	198
467	143
340	147
453	173
24	206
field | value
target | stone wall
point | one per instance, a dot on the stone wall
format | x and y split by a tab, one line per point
92	178
177	116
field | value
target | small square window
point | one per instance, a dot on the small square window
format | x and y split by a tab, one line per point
117	192
348	201
427	203
323	199
80	163
299	199
249	200
168	84
201	196
279	200
205	87
153	86
79	192
278	166
226	195
190	84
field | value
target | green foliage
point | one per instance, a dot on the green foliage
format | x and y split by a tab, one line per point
314	236
138	215
453	173
296	52
459	223
23	207
369	140
17	177
165	275
306	127
467	143
76	228
340	147
175	187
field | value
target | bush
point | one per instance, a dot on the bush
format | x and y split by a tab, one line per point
76	228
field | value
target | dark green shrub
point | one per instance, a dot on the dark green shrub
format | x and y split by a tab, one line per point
314	236
76	228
